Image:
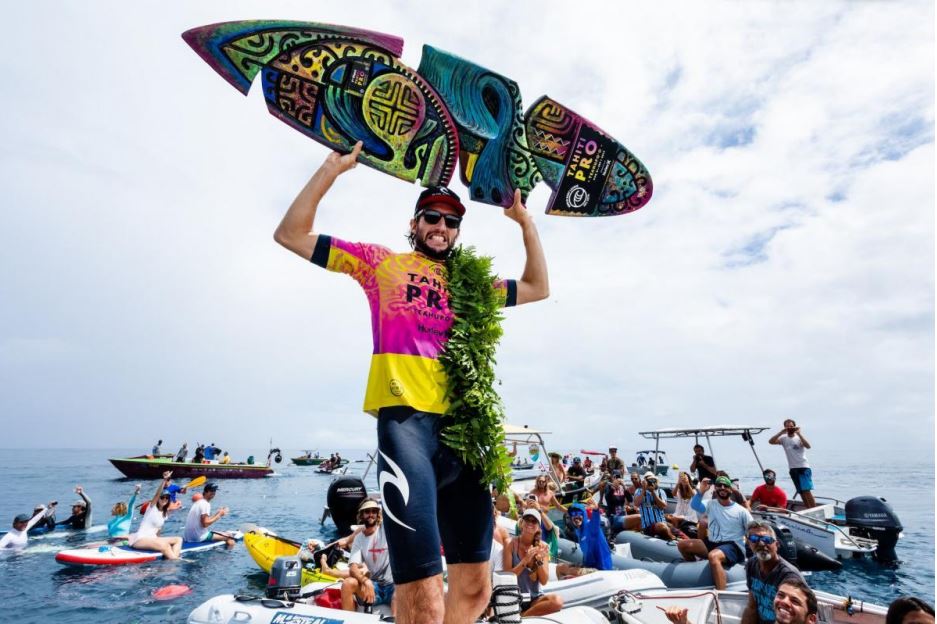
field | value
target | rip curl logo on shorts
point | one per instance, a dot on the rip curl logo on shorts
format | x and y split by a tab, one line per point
397	479
396	388
577	197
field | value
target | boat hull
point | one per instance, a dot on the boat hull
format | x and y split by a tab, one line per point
140	468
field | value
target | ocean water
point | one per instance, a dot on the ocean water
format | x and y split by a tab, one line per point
37	589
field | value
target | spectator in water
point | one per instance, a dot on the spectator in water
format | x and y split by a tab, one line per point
81	512
119	524
18	536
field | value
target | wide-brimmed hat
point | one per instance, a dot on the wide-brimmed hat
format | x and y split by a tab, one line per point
368	503
650	475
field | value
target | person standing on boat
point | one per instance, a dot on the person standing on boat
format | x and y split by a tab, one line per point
429	495
614	462
795	446
703	464
81	512
768	494
183	452
764	573
728	522
18	536
156	450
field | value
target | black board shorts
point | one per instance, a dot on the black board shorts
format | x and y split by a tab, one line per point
429	497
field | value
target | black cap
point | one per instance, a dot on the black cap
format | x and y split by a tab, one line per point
439	195
22	518
211	486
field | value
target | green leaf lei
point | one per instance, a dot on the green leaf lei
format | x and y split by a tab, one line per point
475	415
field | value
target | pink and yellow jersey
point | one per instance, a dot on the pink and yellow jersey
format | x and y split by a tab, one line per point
410	320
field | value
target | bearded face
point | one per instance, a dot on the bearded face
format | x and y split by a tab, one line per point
434	240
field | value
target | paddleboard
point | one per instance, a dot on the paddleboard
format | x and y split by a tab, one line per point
114	554
44	533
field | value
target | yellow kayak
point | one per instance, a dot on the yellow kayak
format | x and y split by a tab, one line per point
264	550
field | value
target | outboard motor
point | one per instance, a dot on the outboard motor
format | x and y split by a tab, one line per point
874	518
786	546
342	499
286	578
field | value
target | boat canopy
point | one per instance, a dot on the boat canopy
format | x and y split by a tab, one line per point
722	430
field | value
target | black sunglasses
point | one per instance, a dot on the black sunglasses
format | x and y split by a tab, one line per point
453	222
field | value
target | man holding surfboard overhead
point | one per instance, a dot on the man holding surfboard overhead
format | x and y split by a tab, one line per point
430	496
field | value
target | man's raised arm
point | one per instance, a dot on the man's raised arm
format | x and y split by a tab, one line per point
295	231
534	283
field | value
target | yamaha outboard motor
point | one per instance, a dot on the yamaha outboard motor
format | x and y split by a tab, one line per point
874	518
343	498
286	578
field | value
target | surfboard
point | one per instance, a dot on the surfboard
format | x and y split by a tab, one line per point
339	85
106	554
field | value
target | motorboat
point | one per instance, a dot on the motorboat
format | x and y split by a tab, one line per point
727	606
862	526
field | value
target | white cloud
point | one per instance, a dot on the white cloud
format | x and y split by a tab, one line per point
784	266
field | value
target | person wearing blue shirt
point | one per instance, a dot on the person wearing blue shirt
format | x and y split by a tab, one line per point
119	525
728	521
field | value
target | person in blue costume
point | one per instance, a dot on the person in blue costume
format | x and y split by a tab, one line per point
119	525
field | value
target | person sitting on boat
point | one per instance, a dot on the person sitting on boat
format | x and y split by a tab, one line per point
156	450
225	459
549	532
684	517
651	502
795	448
768	495
18	537
618	503
544	494
119	525
614	461
703	464
559	470
338	460
724	545
147	536
603	465
528	558
200	518
795	603
764	573
500	541
369	575
573	522
587	465
909	610
183	452
576	474
81	512
210	451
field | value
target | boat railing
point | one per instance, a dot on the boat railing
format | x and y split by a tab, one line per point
860	543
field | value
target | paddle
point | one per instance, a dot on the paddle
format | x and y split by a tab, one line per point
196	482
253	528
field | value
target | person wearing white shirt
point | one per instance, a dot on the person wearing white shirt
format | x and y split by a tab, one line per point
200	518
795	446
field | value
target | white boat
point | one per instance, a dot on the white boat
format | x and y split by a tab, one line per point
727	607
859	527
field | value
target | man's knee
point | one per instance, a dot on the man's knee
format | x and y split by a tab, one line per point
349	585
716	557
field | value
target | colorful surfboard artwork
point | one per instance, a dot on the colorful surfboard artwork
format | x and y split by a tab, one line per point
339	85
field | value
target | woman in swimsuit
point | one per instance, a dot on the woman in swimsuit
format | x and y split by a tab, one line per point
147	535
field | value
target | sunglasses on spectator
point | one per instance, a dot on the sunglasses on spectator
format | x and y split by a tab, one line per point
433	216
766	539
722	485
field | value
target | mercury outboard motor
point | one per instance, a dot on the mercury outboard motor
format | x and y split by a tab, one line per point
874	518
286	578
342	499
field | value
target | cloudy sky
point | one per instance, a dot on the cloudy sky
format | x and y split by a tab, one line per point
784	267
